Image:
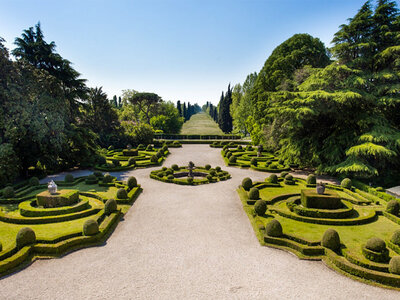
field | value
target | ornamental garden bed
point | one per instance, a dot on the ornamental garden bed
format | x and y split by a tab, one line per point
354	232
36	222
190	175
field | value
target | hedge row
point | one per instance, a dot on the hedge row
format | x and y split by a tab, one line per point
365	264
165	136
27	210
303	249
341	213
391	217
132	196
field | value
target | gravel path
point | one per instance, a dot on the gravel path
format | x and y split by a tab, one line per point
180	242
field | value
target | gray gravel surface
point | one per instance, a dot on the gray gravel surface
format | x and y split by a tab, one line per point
180	242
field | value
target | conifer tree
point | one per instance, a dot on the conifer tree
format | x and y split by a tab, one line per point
179	107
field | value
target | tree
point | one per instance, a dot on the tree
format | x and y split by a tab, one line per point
179	107
146	103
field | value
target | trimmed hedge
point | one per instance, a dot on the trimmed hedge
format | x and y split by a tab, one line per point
90	227
254	194
331	240
260	207
274	228
26	236
247	184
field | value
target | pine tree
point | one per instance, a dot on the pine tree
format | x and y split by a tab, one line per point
179	107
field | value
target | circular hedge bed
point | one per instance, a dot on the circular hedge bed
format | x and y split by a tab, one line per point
181	175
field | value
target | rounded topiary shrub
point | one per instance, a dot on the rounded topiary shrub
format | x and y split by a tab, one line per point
190	180
396	238
170	177
393	207
107	178
254	194
260	207
101	160
131	161
218	169
331	240
274	228
132	182
122	194
247	184
90	227
273	165
110	206
376	244
311	179
207	167
232	159
116	162
253	161
346	183
283	174
34	181
212	172
154	159
69	178
228	154
26	236
8	192
98	174
209	177
175	167
394	265
273	178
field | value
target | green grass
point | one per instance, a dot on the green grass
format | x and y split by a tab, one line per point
202	124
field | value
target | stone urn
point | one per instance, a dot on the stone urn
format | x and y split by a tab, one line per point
320	188
52	187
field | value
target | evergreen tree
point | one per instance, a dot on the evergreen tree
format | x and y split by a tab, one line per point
114	101
184	112
179	107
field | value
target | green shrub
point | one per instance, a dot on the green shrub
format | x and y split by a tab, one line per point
253	161
283	174
160	174
101	160
131	161
175	167
149	147
34	181
122	194
331	240
212	172
247	183
273	165
273	178
154	159
218	169
141	147
240	147
225	148
190	180
107	178
376	244
169	172
69	178
260	207
207	167
1	247
396	237
274	228
393	207
116	162
228	154
232	159
132	182
164	148
91	177
25	236
90	227
98	174
170	177
110	206
311	179
289	179
380	189
8	192
281	161
254	194
177	143
209	177
346	183
394	265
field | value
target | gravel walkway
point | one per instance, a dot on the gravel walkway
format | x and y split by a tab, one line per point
180	242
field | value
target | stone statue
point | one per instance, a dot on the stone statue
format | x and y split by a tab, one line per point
52	186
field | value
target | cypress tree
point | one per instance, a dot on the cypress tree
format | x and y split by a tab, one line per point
184	115
179	107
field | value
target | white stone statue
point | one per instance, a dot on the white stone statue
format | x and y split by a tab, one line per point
52	186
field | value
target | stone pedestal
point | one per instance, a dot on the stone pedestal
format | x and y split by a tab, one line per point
60	198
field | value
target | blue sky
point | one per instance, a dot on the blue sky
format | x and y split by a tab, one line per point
182	50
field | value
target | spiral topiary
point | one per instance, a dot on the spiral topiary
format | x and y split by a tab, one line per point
175	167
131	161
273	178
394	265
260	207
8	192
122	194
69	178
393	207
207	167
253	161
34	181
274	228
331	240
247	183
376	244
311	179
254	194
25	236
346	183
110	206
132	182
90	227
232	159
396	237
190	180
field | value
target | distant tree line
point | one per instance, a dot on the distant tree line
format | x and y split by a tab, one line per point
186	111
212	110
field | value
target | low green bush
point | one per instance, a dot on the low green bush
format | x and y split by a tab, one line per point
274	228
110	206
212	172
34	181
228	154
209	177
260	207
331	240
154	159
101	160
91	179
131	161
218	169
253	161
90	227
273	178
122	194
170	177
311	179
190	180
132	182
394	265
396	238
247	184
25	236
141	147
107	178
393	207
254	194
283	174
175	167
376	244
149	148
346	183
69	178
232	159
273	165
116	162
8	192
98	174
289	179
207	167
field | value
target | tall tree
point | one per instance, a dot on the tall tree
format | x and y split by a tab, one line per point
179	107
146	103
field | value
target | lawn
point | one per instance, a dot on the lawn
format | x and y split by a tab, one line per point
201	123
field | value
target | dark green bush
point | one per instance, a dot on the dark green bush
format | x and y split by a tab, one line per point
283	174
218	169
98	174
253	161
254	194
273	178
394	265
91	177
8	192
170	177
190	180
380	189
149	148
169	172
331	240
209	177
260	207
396	237
160	174
164	148
274	228
212	172
175	167
122	194
273	165
247	183
176	143
116	162
154	159
107	178
131	161
346	183
311	179
90	227
26	236
232	159
34	181
207	167
225	148
376	244
228	154
69	178
101	160
141	147
393	207
132	182
281	161
289	177
240	147
110	206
